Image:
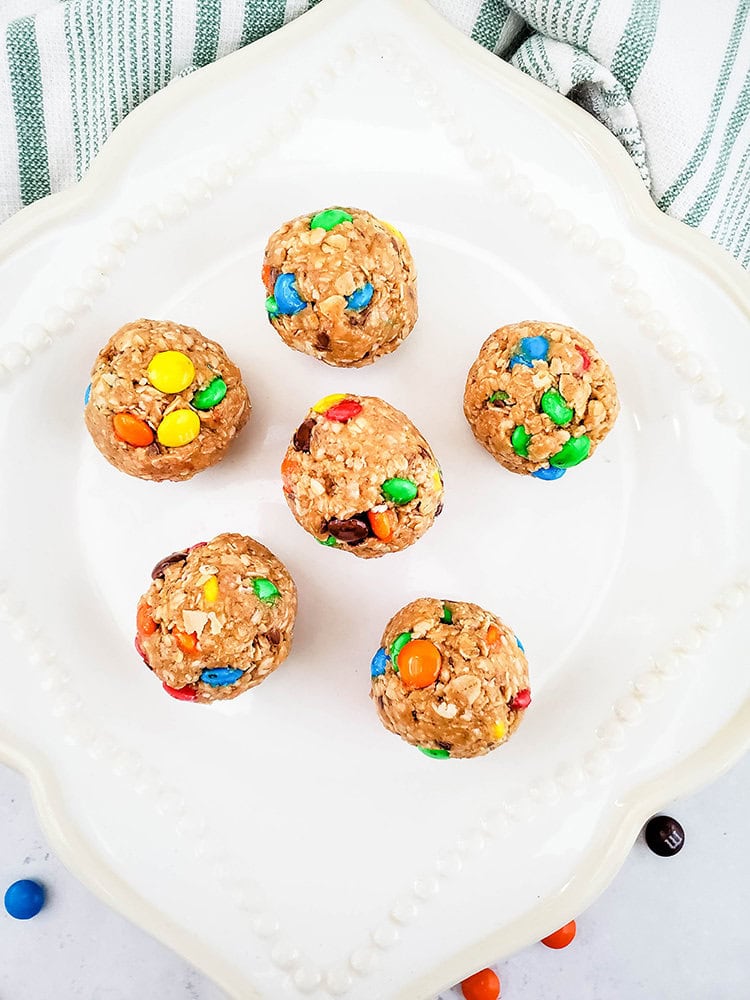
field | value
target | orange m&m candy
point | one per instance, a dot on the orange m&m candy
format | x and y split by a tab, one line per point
493	635
132	430
561	938
383	523
482	985
186	641
419	663
144	623
288	468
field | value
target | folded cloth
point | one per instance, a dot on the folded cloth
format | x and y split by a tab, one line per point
668	78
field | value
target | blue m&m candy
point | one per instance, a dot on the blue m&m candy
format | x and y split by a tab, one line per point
24	899
221	676
87	395
529	350
551	472
286	296
360	298
378	664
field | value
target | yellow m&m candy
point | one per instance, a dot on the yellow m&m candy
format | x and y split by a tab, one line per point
392	229
328	401
210	590
170	371
178	428
498	730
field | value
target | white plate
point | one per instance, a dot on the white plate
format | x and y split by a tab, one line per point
285	842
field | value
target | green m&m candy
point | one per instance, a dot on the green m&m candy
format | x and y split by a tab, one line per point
573	452
520	440
435	752
265	590
554	405
398	490
329	218
397	645
211	396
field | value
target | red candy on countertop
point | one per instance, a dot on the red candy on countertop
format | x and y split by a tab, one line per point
561	938
521	700
482	985
343	411
188	693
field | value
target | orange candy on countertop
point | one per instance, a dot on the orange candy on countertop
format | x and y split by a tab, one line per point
483	985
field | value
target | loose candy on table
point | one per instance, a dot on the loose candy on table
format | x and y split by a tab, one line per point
329	218
170	371
211	396
265	590
437	753
419	662
360	298
519	439
132	430
378	663
187	693
399	490
286	296
554	405
549	473
573	452
521	700
178	428
483	985
664	836
24	899
562	937
221	676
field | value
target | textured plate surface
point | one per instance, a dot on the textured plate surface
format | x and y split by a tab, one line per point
285	842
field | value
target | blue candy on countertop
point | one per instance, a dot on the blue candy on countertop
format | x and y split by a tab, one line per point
24	899
221	676
378	664
360	298
551	472
288	301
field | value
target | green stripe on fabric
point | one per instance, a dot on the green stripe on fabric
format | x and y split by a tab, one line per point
490	23
636	43
114	112
25	72
82	65
261	18
156	62
145	53
734	194
168	25
207	28
582	36
699	153
97	97
75	103
121	75
736	237
703	203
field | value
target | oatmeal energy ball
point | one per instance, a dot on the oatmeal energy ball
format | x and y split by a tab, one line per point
217	619
540	398
164	402
450	678
341	286
359	476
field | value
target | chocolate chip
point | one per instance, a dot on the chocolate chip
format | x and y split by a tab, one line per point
439	510
414	715
158	571
351	531
664	836
444	746
274	636
302	435
322	341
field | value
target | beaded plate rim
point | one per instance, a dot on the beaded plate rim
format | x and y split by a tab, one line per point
725	747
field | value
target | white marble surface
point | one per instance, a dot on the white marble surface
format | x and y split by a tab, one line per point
673	929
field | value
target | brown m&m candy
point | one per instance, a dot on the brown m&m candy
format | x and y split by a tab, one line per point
664	836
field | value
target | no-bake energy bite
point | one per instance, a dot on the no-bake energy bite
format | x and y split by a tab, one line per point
164	402
341	286
359	476
217	619
540	398
450	678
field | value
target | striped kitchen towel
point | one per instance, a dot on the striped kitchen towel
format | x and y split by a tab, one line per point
669	78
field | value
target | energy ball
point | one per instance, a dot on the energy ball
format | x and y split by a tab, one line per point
540	398
341	286
217	619
164	402
450	678
359	476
